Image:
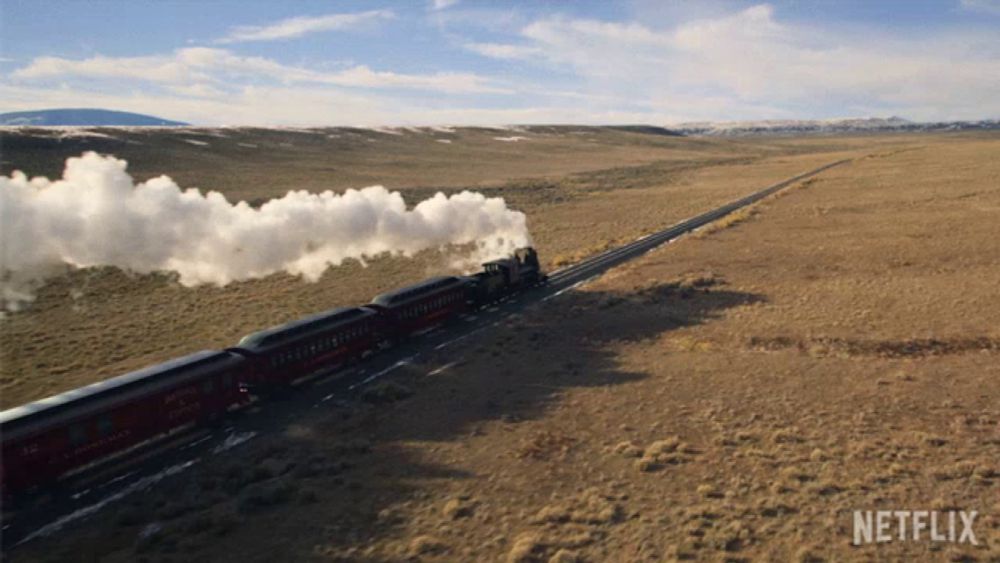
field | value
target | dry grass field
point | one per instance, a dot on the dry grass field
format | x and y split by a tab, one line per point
730	397
583	190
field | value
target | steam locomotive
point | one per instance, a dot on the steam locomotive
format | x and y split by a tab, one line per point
50	440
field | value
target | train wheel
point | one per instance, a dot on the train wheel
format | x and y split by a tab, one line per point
213	420
278	391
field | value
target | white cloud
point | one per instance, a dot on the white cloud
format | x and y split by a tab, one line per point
197	90
721	65
443	4
153	69
455	82
206	65
751	59
502	50
297	27
982	6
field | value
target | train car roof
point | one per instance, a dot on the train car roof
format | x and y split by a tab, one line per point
299	328
506	262
166	372
425	287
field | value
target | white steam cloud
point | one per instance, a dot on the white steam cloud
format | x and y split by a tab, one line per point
97	215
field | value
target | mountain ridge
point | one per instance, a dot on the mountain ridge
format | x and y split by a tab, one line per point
82	117
824	126
96	118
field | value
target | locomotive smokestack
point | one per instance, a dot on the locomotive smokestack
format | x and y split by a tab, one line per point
97	215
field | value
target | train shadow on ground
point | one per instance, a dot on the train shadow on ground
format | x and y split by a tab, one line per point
332	478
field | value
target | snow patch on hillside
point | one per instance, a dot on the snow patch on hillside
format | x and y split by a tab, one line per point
822	126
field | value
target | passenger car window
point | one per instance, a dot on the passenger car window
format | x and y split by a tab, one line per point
77	434
104	426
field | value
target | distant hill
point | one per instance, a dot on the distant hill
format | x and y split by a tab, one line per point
82	117
647	129
826	126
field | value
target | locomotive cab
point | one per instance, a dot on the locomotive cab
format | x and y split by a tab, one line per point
519	270
503	276
504	269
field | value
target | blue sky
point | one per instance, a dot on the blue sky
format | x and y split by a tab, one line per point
425	62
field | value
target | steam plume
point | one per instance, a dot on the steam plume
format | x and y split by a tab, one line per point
97	215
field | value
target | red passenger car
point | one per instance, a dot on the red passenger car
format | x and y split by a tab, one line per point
51	438
323	342
421	306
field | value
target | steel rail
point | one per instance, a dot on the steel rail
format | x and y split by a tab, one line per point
604	260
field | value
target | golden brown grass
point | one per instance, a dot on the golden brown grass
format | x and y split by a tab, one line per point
777	446
750	211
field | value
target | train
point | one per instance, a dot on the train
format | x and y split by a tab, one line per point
45	443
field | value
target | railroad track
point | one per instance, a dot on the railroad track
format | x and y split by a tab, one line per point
597	264
110	484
